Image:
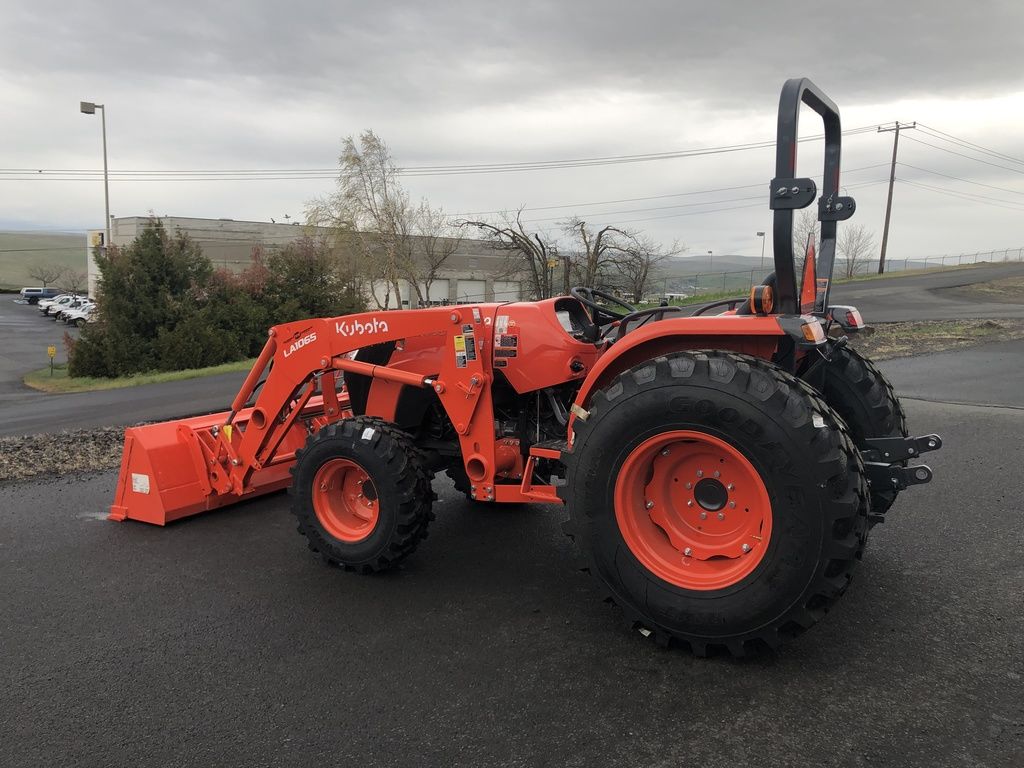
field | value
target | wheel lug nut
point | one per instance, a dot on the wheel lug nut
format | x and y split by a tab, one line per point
703	515
665	452
689	486
689	503
700	473
732	505
721	516
687	551
745	547
731	487
649	504
717	473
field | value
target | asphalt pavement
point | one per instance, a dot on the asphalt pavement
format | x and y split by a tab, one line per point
929	295
24	336
991	374
221	640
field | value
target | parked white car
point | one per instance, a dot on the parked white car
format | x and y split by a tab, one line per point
42	304
79	316
76	303
49	308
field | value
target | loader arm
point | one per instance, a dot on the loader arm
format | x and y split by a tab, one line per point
299	360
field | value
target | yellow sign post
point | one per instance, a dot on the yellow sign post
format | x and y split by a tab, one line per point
52	352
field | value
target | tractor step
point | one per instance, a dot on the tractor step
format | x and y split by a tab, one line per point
549	449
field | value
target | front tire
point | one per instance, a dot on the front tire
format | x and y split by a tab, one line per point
361	494
719	502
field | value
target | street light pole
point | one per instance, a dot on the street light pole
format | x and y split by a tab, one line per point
711	262
88	108
761	235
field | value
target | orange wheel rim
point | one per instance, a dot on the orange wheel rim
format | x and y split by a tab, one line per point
693	510
345	500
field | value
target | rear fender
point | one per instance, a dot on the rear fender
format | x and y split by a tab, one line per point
750	335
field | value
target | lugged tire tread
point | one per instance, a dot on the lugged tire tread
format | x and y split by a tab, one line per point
838	467
408	476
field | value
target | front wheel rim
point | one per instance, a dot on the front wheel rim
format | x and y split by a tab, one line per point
345	500
693	510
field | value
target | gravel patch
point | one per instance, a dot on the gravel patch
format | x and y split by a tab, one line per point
60	453
923	337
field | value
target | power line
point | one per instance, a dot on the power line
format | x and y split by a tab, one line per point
957	178
996	202
686	205
270	174
969	157
642	199
942	135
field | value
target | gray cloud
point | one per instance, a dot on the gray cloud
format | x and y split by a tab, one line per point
261	84
451	52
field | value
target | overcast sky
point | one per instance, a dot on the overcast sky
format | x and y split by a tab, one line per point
260	85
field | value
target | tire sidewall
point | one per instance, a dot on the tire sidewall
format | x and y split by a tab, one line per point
370	455
787	467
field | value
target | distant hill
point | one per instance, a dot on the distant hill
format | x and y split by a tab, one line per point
692	265
20	251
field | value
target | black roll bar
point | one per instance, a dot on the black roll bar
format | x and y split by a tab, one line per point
789	193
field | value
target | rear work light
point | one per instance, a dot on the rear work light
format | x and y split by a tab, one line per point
849	318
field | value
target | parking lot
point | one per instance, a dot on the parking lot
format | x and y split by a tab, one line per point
26	334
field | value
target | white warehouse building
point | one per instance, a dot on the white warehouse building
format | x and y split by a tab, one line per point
475	272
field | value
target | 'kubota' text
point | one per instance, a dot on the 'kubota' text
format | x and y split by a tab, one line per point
358	328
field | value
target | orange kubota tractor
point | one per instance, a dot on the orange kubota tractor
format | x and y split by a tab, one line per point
720	471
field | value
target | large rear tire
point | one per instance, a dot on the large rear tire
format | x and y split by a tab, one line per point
721	503
361	494
861	394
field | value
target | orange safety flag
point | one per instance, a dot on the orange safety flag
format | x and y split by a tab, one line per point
809	282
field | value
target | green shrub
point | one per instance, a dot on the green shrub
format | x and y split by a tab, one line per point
163	307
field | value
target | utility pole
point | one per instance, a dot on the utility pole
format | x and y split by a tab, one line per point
895	128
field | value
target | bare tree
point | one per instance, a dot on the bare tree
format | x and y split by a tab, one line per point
528	252
371	211
639	264
437	241
46	272
595	251
854	248
74	281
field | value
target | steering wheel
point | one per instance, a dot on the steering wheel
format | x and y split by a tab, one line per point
601	314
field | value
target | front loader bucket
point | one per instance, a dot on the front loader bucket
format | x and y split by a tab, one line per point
164	476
